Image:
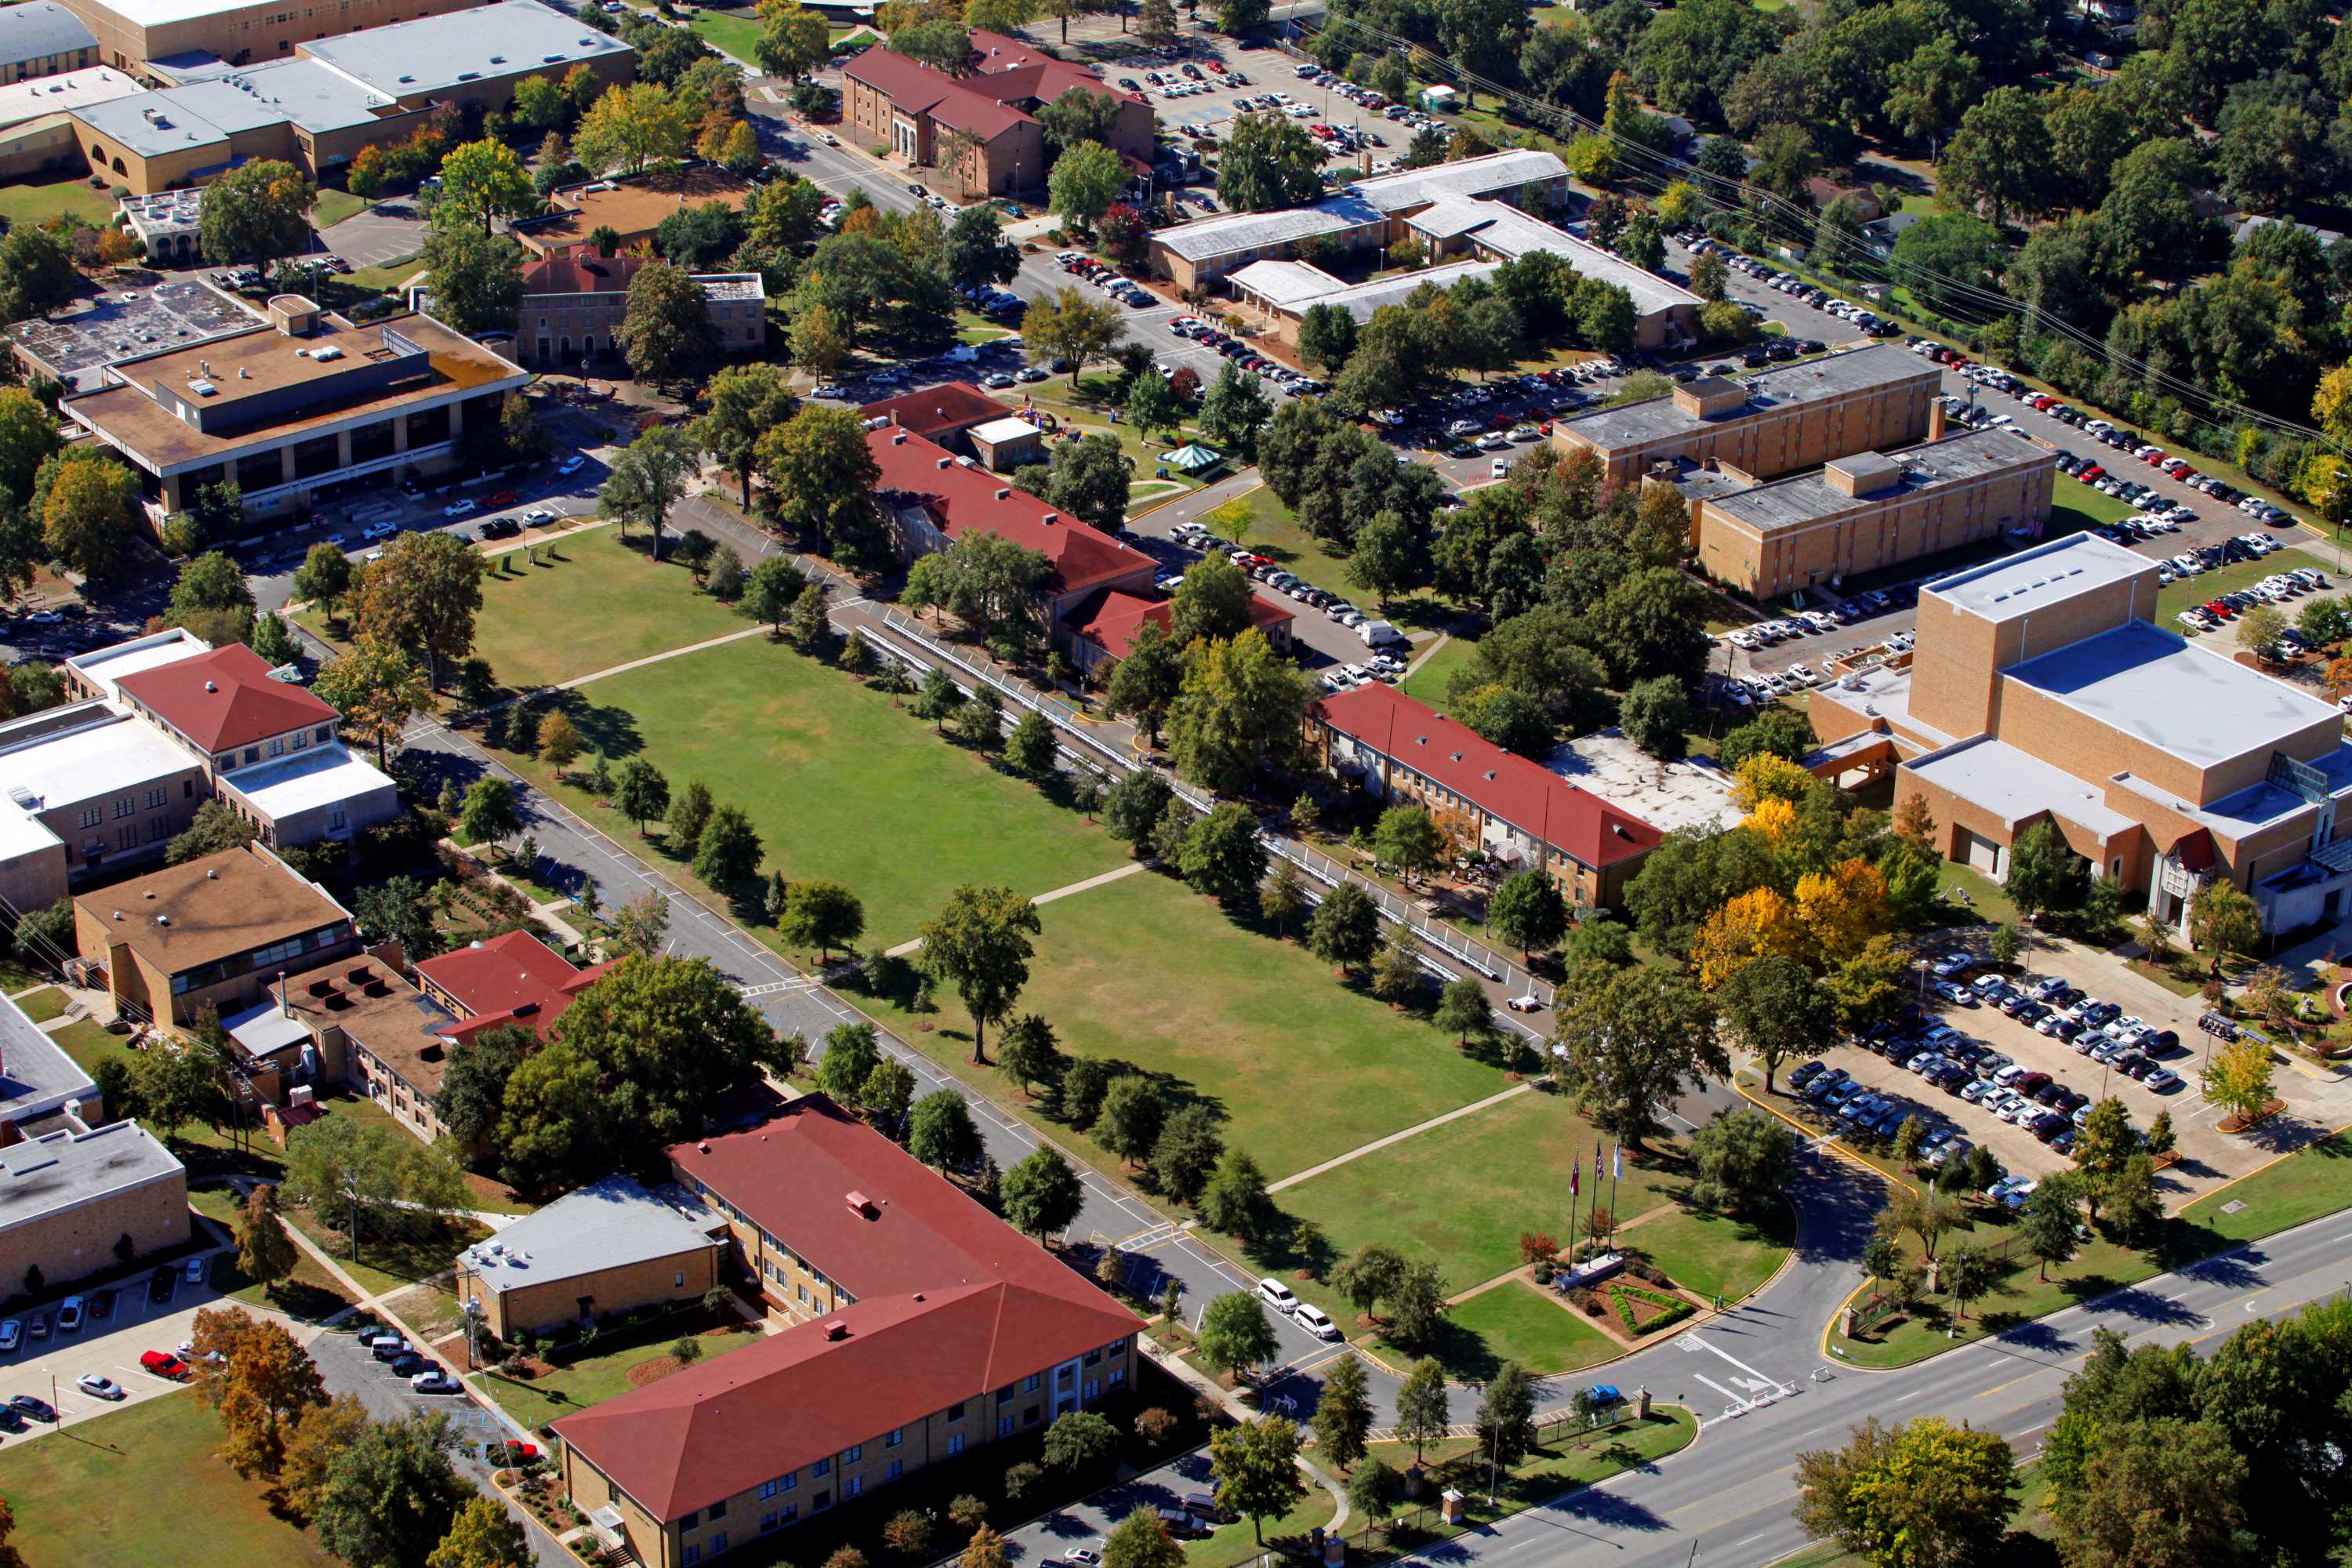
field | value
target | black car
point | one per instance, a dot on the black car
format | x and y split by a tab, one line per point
1805	1074
501	528
38	1409
407	1364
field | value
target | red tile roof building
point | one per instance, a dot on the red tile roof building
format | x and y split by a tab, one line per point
941	413
1104	625
916	111
224	703
928	1328
930	495
510	979
1524	813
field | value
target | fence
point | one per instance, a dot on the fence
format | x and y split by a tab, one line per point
1089	750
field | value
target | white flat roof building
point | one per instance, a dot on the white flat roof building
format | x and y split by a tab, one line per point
38	96
100	671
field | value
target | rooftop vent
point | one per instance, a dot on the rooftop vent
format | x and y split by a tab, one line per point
1002	493
162	920
1051	517
942	462
203	388
859	1203
836	1331
211	686
213	875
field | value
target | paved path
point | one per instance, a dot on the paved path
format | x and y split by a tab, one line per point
915	943
1376	1145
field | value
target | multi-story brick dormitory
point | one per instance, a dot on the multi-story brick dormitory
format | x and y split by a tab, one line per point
2039	689
925	1328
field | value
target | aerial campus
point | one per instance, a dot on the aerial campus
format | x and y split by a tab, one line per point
1107	785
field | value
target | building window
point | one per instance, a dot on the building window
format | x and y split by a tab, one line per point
822	1467
718	1543
690	1519
127	836
955	1411
1092	1357
897	1469
1029	1417
1004	1425
252	755
301	738
677	1280
955	1444
158	829
1029	1385
824	1500
321	732
856	1451
897	1435
1117	1375
719	1510
93	816
852	1488
1094	1391
336	821
693	1553
276	747
156	797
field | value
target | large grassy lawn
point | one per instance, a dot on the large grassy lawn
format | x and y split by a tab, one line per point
142	1486
2074	505
334	206
595	1378
1563	1465
839	783
1461	1194
1516	1321
1714	1254
1427	683
2311	1181
731	32
38	204
593	600
1148	973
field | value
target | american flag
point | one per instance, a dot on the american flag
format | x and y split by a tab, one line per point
1575	1174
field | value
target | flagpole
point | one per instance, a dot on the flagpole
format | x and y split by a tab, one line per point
1574	1197
1616	1169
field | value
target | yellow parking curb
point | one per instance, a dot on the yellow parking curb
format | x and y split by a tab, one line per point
1830	1139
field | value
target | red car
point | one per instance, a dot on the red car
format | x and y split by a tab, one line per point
162	1363
2219	609
500	498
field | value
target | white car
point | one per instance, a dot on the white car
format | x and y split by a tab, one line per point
571	465
1524	1005
379	530
464	506
537	516
1314	1322
1276	1294
1499	468
104	1387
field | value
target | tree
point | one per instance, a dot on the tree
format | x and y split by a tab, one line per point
392	1496
1241	707
324	576
1026	1052
482	1536
940	43
1346	929
1745	1162
775	586
259	1380
1327	337
484	180
745	401
1235	1198
852	1052
1144	684
1926	1214
2164	1492
980	944
1089	478
888	1093
1343	1413
1268	161
1186	1153
1463	1011
1080	1440
2239	1077
1255	1463
665	330
264	1253
559	741
823	915
83	500
2051	1217
1212	603
793	39
1417	1304
214	827
1133	807
488	812
1656	716
1774	1008
1155	23
2223	919
631	127
1234	409
1131	1117
1041	1194
325	1433
1223	857
1237	18
940	1132
977	251
1150	404
1916	1496
1065	325
422	593
1527	912
1635	1040
1084	180
255	213
1391	557
473	1089
1084	1083
1423	1415
1141	1540
36	271
1235	1335
644	794
1505	1427
2044	875
1373	1490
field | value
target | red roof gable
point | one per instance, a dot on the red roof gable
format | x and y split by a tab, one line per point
224	698
1531	798
937	411
953	1303
510	979
962	496
582	271
1110	619
1008	72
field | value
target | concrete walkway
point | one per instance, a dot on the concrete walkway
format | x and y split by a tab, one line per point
1129	869
1376	1145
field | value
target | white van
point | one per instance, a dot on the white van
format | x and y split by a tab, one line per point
1276	1294
1380	634
1315	1321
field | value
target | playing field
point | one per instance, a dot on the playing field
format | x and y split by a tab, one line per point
838	781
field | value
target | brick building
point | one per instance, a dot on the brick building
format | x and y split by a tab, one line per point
1871	509
297	411
1485	799
985	121
250	81
71	1198
572	303
2040	689
510	979
41	37
610	1248
214	930
40	1084
1772	423
924	1328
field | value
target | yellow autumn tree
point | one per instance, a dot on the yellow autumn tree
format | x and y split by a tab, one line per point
1764	776
1747	927
1772	819
1842	909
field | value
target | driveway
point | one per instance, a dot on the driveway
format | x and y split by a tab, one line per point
377	236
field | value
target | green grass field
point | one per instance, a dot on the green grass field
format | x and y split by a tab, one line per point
1565	1465
1714	1254
38	204
1150	973
838	781
391	275
1516	1321
88	1043
2074	506
733	31
142	1485
595	1378
1461	1194
43	1005
597	601
1427	684
2311	1181
334	206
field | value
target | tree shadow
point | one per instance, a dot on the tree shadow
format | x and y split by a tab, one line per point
607	730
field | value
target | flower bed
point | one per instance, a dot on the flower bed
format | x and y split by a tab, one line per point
1646	1311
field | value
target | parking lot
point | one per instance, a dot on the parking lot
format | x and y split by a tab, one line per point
1952	1062
120	1323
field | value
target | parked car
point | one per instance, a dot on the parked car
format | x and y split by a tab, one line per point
103	1387
1277	1294
162	1363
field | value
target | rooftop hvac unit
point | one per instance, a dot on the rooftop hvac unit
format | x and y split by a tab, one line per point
203	388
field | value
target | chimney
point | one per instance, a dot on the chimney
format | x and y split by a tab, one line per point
285	1003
